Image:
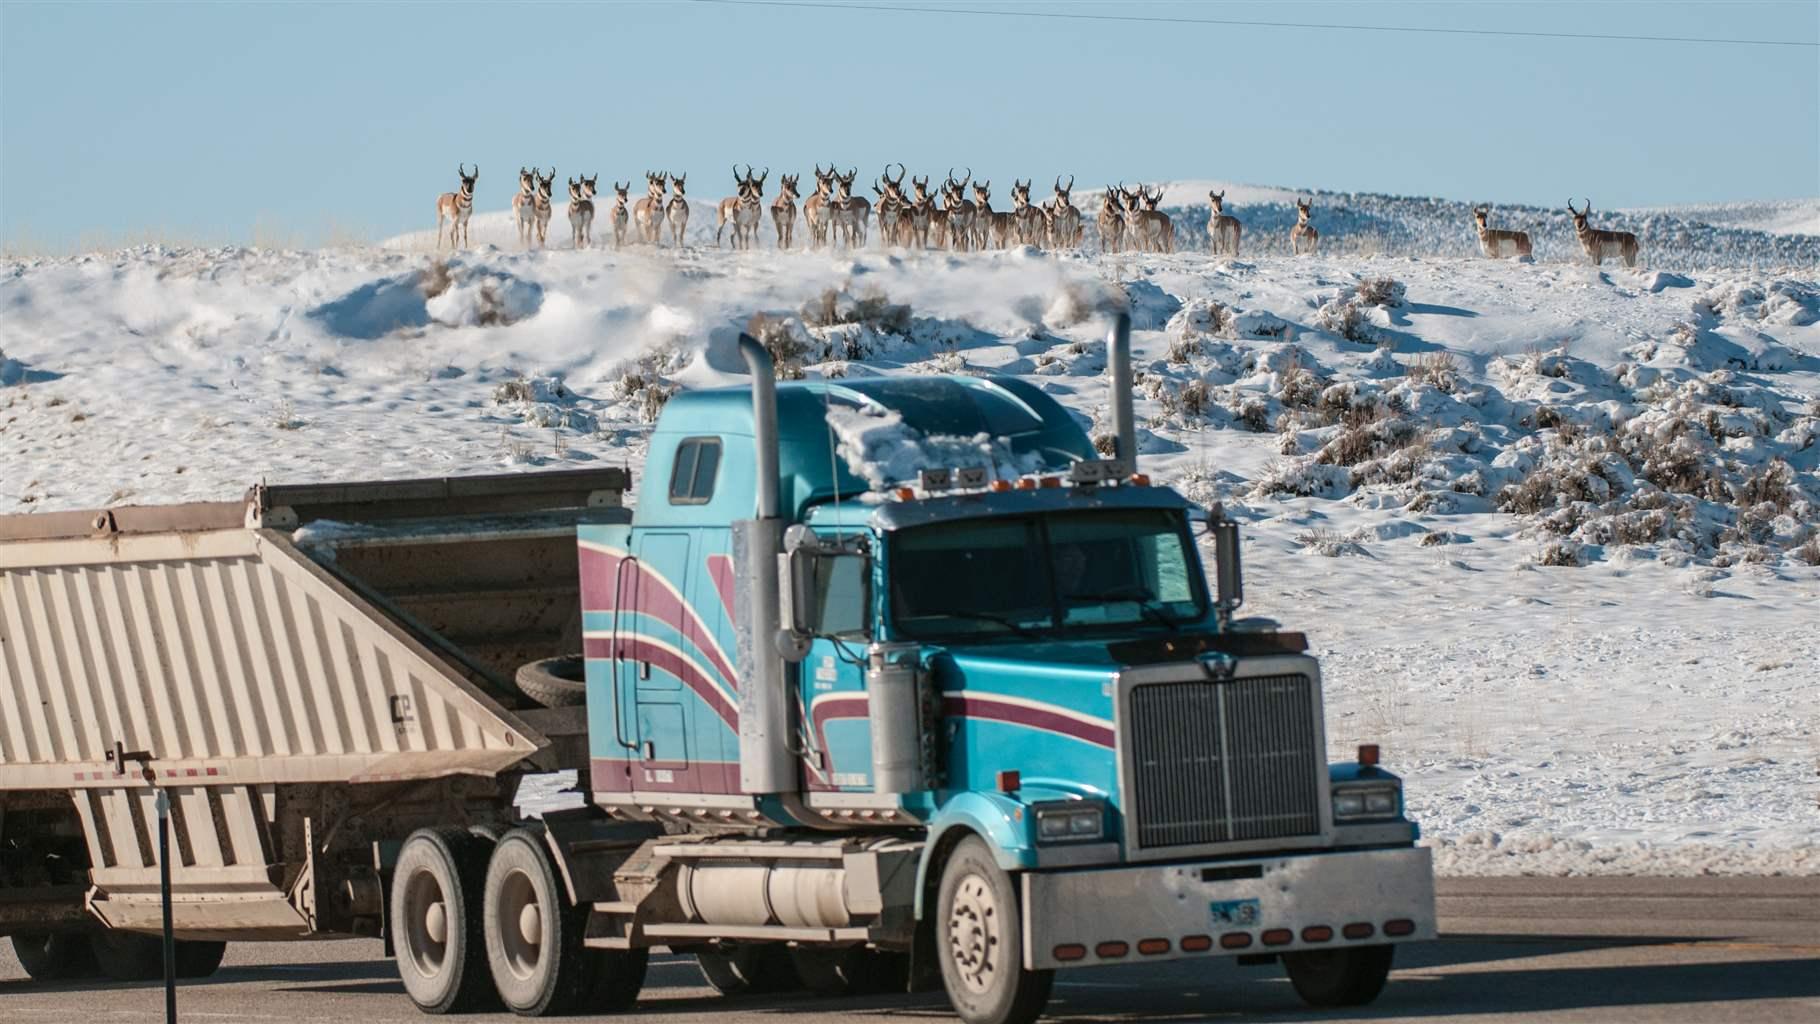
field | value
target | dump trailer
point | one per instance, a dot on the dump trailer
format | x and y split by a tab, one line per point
886	683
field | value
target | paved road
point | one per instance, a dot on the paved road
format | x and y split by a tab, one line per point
1620	950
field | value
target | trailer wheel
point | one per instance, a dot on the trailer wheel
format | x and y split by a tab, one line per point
980	942
198	959
1339	977
533	934
755	969
129	956
56	956
435	920
554	682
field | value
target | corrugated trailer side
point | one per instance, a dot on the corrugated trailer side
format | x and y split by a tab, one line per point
294	711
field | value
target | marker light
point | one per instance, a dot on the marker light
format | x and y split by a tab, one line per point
1368	754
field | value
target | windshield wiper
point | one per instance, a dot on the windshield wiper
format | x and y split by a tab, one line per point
1148	606
1019	629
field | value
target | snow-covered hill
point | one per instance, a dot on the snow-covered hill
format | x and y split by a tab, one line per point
1763	237
1552	527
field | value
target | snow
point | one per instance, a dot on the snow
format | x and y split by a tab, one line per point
1548	526
881	449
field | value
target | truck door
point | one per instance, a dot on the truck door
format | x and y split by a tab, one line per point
654	659
838	756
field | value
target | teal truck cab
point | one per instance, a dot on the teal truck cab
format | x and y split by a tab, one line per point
891	680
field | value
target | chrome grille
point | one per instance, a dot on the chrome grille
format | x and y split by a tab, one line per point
1223	762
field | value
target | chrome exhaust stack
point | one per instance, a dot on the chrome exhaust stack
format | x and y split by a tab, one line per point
766	764
1118	352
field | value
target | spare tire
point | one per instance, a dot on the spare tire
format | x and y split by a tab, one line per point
560	682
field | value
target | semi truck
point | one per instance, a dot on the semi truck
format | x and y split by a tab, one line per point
957	709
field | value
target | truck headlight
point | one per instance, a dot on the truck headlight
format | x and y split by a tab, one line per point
1367	801
1070	821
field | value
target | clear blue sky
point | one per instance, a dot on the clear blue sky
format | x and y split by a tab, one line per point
203	120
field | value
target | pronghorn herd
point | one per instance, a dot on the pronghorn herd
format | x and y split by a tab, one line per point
1129	220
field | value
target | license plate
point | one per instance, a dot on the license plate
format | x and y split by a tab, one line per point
1237	913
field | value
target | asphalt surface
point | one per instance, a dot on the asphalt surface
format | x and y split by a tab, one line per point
1620	950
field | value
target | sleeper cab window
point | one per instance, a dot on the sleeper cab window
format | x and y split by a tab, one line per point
692	477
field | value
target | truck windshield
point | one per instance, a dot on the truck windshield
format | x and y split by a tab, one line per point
1043	576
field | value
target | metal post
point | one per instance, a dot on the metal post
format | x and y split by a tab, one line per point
164	893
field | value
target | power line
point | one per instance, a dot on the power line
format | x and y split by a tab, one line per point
830	5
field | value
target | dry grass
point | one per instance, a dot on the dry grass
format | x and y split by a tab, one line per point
874	309
787	347
1809	553
1438	369
1331	543
1381	291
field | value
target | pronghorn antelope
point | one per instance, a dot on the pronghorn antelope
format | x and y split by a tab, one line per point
724	213
815	208
678	211
1112	219
1131	205
1303	238
891	206
849	213
1600	244
621	217
960	211
540	205
521	205
1064	220
1158	229
997	225
783	210
649	211
746	216
938	214
1494	242
1223	230
1032	226
456	206
919	215
581	211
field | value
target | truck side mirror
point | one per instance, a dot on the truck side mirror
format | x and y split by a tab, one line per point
1228	574
829	594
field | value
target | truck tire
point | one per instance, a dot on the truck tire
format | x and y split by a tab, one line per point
435	920
757	969
129	956
554	682
979	942
533	934
851	971
619	975
56	956
1339	977
197	959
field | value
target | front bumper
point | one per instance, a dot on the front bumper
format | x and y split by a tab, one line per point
1270	905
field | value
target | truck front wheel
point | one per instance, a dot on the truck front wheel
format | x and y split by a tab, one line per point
1339	977
980	942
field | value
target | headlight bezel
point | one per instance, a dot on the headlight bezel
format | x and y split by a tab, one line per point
1367	801
1059	822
